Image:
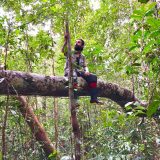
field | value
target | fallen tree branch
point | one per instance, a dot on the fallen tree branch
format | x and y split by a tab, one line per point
21	83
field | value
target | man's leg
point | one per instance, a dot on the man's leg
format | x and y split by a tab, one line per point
92	84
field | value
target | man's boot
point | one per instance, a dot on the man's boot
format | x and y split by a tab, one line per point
93	94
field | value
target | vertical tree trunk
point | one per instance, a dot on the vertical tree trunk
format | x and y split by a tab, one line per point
44	103
55	113
74	120
55	108
56	122
28	62
6	45
4	149
44	107
157	8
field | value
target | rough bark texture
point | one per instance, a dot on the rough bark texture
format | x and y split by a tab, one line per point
20	83
36	128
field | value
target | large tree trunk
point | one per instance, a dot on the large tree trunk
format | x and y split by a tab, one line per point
36	128
20	83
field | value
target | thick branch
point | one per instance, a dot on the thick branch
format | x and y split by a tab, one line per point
36	128
21	83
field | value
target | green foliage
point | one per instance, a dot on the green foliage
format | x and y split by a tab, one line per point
143	1
121	47
144	49
53	156
153	107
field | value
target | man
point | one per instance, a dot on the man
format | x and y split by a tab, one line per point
80	68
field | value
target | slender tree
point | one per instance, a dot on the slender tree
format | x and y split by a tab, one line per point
72	104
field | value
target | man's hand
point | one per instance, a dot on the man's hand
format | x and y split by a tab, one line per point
66	35
86	73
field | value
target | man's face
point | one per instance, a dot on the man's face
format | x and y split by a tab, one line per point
78	45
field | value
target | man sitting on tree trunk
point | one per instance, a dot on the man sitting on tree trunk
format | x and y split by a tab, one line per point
80	69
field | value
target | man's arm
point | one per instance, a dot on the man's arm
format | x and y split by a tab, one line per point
86	70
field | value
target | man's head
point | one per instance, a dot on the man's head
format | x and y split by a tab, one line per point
79	45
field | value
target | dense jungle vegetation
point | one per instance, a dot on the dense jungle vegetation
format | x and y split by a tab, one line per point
122	46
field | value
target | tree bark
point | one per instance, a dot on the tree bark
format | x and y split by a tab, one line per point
21	83
36	128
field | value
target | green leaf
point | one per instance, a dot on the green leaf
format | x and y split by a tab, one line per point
139	112
138	12
153	22
128	108
131	70
143	1
150	6
137	17
153	107
133	47
53	155
139	108
148	47
136	64
155	33
149	13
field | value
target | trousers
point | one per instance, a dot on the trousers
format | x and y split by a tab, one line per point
91	80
